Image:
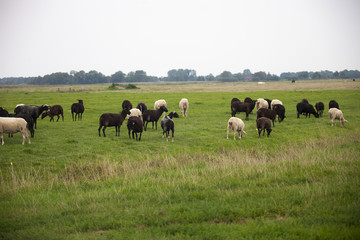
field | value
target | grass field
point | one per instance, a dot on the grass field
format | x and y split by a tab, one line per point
303	182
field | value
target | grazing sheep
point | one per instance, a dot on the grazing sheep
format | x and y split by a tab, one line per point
275	101
320	108
263	124
142	106
240	107
251	102
268	113
184	106
3	112
135	124
336	114
29	121
153	116
269	102
32	110
112	120
159	103
307	109
237	125
135	112
167	124
261	103
13	125
77	108
280	112
333	104
235	100
126	104
304	100
55	110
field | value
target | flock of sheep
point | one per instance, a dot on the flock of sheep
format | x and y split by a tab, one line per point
25	116
268	110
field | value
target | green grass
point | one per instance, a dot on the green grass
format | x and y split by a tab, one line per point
303	182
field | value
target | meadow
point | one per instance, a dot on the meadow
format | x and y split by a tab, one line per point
303	182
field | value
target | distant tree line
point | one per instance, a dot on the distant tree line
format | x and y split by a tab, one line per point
174	75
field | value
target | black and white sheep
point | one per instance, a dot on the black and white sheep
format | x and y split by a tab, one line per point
135	125
55	110
77	108
263	124
184	106
236	125
13	125
142	106
268	113
336	114
320	108
112	120
126	104
333	104
167	124
31	110
240	107
280	112
153	116
307	109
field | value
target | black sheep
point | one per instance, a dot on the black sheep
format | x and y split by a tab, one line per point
31	110
268	113
142	107
126	104
251	102
308	109
333	104
167	124
77	108
55	110
263	124
153	116
29	120
280	112
240	107
112	120
269	102
320	108
3	112
135	125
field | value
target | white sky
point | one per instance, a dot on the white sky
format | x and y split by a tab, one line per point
39	37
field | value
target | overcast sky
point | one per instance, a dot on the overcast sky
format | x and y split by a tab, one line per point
39	37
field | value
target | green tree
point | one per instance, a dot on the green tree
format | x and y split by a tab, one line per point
118	77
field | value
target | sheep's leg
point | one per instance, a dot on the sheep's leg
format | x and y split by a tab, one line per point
140	136
99	131
104	131
58	118
156	125
259	132
172	135
227	134
234	134
27	136
239	132
129	134
2	138
62	115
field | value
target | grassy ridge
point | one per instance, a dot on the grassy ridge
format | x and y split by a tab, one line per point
301	183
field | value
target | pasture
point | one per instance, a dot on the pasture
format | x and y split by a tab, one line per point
303	182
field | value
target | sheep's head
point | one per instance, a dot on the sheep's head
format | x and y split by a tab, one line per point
173	115
343	121
163	108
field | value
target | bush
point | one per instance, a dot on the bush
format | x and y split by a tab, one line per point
116	86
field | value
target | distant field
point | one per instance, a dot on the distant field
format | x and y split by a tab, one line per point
303	182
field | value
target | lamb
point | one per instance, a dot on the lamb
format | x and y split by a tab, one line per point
112	120
167	124
263	124
32	110
275	101
336	114
333	104
3	112
55	110
240	107
261	103
307	109
135	124
142	106
280	112
251	102
153	116
135	112
126	104
237	125
268	113
184	106
320	108
13	125
77	108
159	103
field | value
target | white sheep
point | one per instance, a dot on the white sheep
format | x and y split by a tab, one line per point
13	125
261	103
237	125
135	112
159	103
335	113
184	106
275	101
